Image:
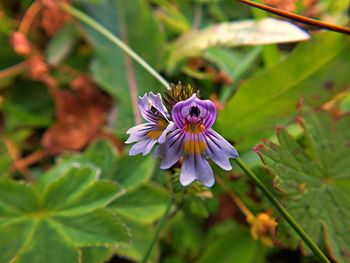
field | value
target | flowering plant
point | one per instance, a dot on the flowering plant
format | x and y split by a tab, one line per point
185	135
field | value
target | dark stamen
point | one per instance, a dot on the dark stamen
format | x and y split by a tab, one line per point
154	110
194	111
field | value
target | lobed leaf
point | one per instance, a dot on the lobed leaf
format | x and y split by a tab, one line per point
315	180
51	222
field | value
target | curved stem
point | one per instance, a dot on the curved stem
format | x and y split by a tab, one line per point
109	35
157	232
288	217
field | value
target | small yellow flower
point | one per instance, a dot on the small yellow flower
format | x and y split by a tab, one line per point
263	227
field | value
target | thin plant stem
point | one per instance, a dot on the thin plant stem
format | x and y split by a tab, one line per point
288	217
109	35
157	232
299	18
302	234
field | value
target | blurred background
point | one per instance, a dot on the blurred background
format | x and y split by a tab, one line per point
68	95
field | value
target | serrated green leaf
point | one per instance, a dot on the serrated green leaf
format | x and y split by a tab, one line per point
141	236
57	219
315	71
17	197
142	170
315	180
97	228
68	187
144	204
96	254
103	155
47	246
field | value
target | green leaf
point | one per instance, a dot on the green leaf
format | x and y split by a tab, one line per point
142	170
96	254
315	71
111	68
144	204
17	197
314	180
97	228
11	238
231	243
47	246
5	159
103	155
250	32
28	104
61	45
141	237
51	222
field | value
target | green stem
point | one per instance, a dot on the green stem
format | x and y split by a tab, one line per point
157	232
288	217
109	35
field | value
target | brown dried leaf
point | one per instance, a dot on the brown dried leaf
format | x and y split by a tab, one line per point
81	115
53	18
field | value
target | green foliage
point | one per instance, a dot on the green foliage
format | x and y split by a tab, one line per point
138	206
53	223
61	45
229	242
314	179
232	34
28	104
315	71
111	68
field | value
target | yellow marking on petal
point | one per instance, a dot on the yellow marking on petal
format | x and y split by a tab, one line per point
194	147
194	128
155	134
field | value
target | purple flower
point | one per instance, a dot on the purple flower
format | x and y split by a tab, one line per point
195	141
146	135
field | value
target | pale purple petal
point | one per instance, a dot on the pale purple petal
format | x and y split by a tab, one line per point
152	108
219	150
144	147
171	127
196	167
172	150
139	132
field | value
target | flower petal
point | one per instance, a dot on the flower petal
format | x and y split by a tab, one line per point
219	150
139	132
196	167
172	149
152	107
171	127
182	111
144	147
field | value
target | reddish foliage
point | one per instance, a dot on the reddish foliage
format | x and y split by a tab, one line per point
81	115
53	18
20	43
